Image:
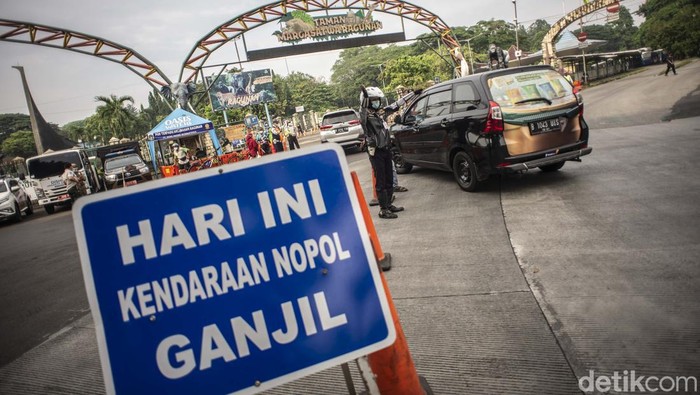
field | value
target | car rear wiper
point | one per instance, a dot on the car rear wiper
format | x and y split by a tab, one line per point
535	99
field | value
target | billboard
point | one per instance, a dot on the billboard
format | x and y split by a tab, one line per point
241	89
298	25
235	132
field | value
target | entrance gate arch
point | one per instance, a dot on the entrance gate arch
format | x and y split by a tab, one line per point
548	52
47	36
237	26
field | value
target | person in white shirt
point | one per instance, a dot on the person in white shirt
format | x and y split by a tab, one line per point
183	161
71	179
291	135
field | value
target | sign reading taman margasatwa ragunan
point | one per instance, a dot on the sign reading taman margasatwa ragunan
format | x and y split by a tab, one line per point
298	25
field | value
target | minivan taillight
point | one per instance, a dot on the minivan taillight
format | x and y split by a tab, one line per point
326	127
354	122
494	121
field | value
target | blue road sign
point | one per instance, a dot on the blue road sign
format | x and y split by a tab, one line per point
233	279
251	121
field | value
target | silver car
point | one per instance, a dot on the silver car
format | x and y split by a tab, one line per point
13	200
342	127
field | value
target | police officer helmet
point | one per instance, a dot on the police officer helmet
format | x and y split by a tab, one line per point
374	98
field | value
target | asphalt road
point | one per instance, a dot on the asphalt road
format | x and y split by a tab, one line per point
522	287
41	283
645	98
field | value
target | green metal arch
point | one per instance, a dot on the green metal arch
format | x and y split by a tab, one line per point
47	36
274	11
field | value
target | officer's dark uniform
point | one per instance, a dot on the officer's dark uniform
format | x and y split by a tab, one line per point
378	141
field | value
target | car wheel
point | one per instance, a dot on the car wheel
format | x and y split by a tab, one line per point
30	209
552	167
49	209
401	166
464	170
18	213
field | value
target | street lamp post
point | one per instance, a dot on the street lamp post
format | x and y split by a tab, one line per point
381	71
471	58
469	46
517	43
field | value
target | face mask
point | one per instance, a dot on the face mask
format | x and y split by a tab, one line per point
375	104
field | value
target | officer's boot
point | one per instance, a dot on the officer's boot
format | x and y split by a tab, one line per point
385	211
391	207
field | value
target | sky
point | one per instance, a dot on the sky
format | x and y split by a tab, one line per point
64	83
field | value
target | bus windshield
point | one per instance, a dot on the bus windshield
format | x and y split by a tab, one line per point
53	164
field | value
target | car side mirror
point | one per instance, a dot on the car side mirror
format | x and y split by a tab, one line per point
409	119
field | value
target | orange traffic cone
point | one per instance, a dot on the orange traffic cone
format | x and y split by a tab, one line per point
374	201
383	259
393	367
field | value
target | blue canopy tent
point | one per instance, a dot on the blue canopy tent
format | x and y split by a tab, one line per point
179	124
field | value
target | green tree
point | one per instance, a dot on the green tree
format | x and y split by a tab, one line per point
157	109
112	118
361	66
10	123
284	104
619	35
76	130
497	32
673	25
414	72
626	34
20	144
535	34
305	90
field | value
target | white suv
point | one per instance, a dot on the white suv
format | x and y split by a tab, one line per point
13	200
342	127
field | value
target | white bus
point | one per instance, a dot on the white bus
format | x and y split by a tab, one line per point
45	174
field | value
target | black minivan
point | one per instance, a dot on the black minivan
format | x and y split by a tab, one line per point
497	122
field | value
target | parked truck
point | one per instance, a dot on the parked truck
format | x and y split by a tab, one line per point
45	175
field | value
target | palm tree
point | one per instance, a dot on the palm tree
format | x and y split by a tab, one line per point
113	116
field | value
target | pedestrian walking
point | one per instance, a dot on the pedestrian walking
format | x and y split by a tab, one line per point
670	65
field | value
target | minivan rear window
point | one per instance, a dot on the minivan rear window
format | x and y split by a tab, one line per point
524	88
339	117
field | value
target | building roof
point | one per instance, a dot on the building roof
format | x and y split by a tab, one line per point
567	44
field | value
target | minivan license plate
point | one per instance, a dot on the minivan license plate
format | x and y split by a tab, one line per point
548	125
